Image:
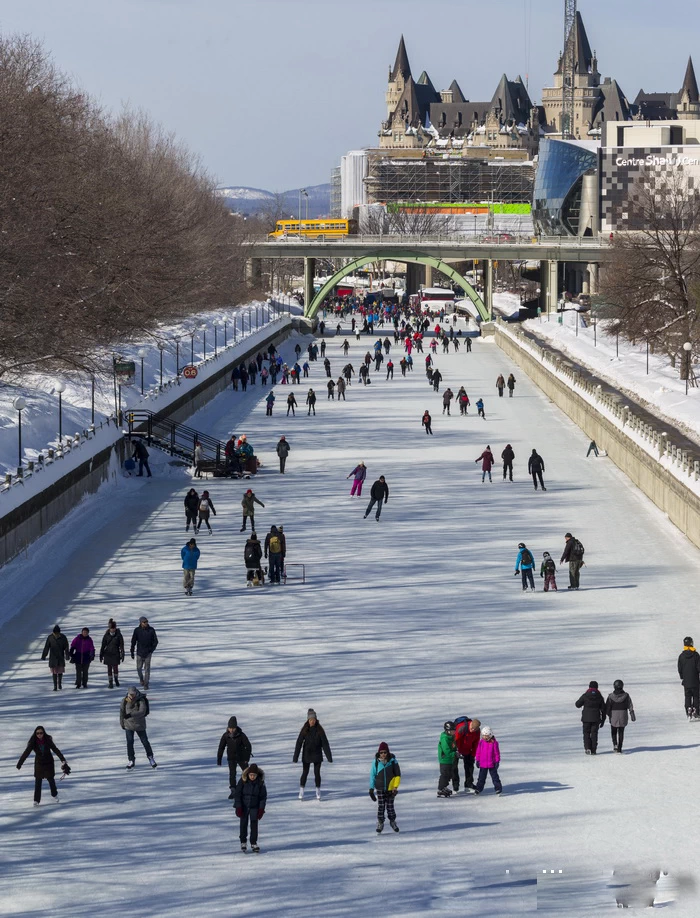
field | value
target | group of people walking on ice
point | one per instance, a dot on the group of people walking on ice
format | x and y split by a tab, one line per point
572	555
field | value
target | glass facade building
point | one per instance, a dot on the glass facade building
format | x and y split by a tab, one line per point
557	197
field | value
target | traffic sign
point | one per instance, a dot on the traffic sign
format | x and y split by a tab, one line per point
189	372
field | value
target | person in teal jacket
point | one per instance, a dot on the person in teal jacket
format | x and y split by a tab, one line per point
384	780
524	564
270	401
190	557
447	760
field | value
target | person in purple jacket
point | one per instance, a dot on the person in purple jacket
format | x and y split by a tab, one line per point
359	473
82	653
487	760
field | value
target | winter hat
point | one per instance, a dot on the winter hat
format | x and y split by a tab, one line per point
546	554
618	685
253	769
56	629
592	684
688	641
143	619
521	545
282	437
486	732
232	722
253	537
205	494
567	535
133	692
383	747
249	491
311	713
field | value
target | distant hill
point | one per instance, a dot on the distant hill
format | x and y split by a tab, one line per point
252	201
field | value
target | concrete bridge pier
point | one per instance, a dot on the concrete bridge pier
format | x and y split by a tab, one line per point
253	272
413	277
487	275
309	275
549	286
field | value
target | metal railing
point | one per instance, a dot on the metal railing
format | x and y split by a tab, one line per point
486	239
170	436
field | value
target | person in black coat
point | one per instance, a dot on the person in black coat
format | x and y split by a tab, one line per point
535	466
191	509
508	456
141	453
249	802
112	652
42	745
689	672
592	716
312	744
379	494
238	752
56	649
252	556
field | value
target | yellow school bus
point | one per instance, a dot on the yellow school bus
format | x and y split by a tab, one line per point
312	229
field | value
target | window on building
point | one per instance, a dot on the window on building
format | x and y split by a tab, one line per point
459	119
620	137
676	135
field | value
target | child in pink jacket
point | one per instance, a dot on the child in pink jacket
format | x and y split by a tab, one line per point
487	759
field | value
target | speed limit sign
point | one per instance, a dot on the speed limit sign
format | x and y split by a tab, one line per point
189	372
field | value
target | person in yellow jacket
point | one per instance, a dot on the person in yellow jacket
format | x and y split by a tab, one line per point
384	780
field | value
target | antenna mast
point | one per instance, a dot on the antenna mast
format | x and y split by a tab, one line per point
568	71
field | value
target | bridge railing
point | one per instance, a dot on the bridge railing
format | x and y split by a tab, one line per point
486	239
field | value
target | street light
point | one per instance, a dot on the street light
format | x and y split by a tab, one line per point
646	335
687	347
142	353
216	342
225	333
60	387
303	191
161	348
19	404
204	339
192	334
177	357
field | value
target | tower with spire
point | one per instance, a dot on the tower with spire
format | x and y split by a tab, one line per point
688	105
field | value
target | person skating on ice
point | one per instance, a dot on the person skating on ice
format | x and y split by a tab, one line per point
535	466
112	652
500	385
689	672
511	385
592	716
467	736
273	548
486	459
250	800
133	712
447	397
619	710
311	401
379	495
548	570
205	508
252	557
57	651
191	509
312	744
358	475
144	641
573	556
282	451
487	759
238	752
447	761
42	745
270	402
524	565
248	504
480	407
190	556
427	422
82	653
508	456
292	404
384	780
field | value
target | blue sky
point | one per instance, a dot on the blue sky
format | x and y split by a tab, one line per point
270	93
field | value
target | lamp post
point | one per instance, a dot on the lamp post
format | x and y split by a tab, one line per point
92	401
192	334
204	340
687	348
646	335
225	333
19	404
142	353
161	348
60	387
301	192
177	357
216	342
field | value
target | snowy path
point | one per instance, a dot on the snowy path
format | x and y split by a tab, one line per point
402	624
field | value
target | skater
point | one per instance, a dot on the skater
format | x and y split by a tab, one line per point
243	373
467	736
282	450
56	649
447	760
573	554
486	459
346	347
112	652
312	744
535	466
269	401
437	379
141	453
191	509
508	456
235	376
144	641
403	365
487	760
42	745
327	366
340	386
264	374
689	672
592	716
358	474
389	369
205	508
252	555
248	504
238	752
311	401
198	459
330	385
447	397
305	369
524	564
190	556
364	374
619	709
511	385
291	404
384	780
500	385
250	798
480	408
379	493
273	546
133	712
82	653
548	570
348	371
463	400
427	422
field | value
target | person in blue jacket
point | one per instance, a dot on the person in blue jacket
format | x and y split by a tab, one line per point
524	564
190	557
384	780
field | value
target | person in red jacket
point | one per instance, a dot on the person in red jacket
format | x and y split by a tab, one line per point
467	738
486	459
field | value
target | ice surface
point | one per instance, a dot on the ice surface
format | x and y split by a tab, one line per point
401	624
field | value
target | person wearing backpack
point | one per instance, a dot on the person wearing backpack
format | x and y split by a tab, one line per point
273	547
427	422
689	672
573	555
535	466
524	564
618	707
592	716
205	507
190	556
133	712
548	570
269	402
252	555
